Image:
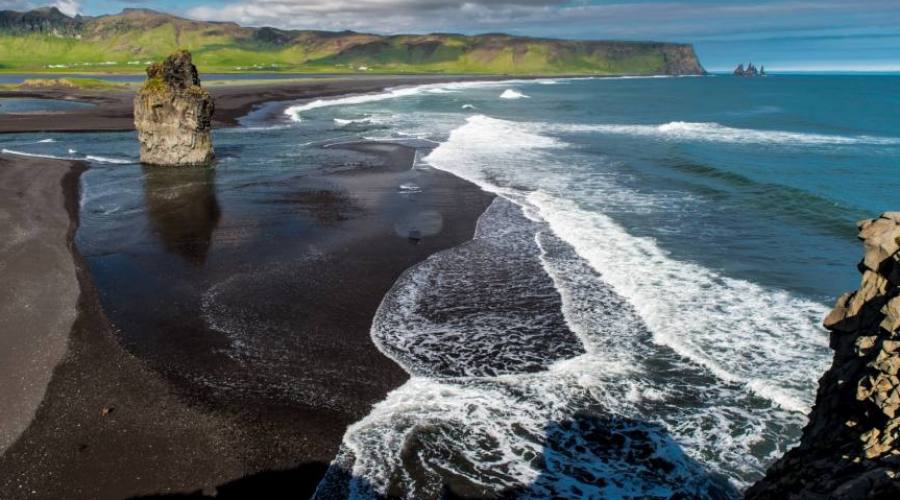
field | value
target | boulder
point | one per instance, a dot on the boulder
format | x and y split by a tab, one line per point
173	114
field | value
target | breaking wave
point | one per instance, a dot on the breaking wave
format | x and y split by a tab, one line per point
513	94
567	336
294	112
34	155
111	161
715	132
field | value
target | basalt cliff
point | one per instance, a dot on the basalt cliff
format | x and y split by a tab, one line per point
173	114
850	448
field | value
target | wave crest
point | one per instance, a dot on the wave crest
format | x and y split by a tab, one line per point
716	132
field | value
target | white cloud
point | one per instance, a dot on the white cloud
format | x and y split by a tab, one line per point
663	19
372	15
68	7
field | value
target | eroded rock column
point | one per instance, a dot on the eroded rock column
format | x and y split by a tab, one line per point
173	114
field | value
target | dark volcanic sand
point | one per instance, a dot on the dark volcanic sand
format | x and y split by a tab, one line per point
40	291
267	373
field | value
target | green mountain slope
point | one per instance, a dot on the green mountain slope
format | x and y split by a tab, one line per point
46	40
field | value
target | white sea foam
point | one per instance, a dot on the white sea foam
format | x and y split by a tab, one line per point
729	326
513	94
34	155
753	353
704	368
261	128
342	122
715	132
533	430
111	161
392	93
46	141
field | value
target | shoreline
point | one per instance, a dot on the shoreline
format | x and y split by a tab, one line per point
41	289
112	112
124	418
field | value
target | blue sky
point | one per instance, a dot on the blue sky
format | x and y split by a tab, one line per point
783	34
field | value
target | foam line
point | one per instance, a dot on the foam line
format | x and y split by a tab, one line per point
715	132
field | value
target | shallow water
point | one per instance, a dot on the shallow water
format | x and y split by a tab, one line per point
29	105
639	312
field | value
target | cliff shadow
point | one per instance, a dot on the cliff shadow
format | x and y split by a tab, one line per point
182	209
586	456
847	448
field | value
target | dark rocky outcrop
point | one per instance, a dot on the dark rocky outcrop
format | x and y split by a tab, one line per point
750	70
681	59
851	447
173	114
48	21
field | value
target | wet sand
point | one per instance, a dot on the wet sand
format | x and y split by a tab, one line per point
40	290
113	110
130	414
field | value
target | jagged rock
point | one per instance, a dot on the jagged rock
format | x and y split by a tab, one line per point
850	448
749	71
173	114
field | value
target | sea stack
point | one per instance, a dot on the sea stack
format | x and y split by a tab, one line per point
850	448
173	114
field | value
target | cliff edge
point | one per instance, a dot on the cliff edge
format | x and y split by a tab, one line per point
850	448
173	114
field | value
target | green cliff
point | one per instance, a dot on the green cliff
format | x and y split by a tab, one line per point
46	40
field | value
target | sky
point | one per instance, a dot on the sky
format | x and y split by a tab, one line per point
786	35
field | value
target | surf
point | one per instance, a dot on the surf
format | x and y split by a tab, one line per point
716	132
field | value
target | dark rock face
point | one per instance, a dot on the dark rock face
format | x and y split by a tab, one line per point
681	60
851	447
49	21
750	70
178	71
173	114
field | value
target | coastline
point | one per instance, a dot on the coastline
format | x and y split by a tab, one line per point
123	418
40	293
113	111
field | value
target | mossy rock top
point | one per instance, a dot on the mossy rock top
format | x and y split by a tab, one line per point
176	73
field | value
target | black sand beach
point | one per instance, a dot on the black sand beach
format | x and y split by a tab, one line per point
144	402
38	299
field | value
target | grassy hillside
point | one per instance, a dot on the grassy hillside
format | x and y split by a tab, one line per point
48	41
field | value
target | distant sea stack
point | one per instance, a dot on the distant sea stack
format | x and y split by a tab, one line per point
750	70
173	114
851	447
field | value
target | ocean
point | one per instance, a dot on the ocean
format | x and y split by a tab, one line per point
639	312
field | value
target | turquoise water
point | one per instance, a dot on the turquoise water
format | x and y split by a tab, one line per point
695	231
29	105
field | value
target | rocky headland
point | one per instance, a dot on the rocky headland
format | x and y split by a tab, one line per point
173	114
850	448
